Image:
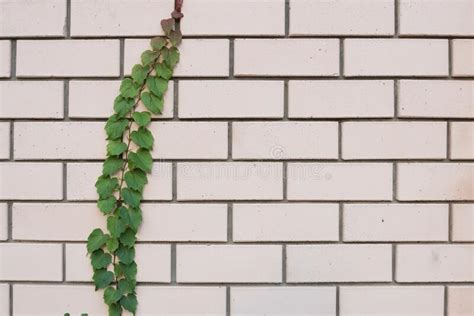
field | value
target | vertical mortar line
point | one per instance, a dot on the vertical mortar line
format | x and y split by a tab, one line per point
397	17
66	100
448	140
122	57
287	18
227	300
10	299
10	221
173	264
341	222
450	58
396	84
283	265
68	19
394	263
64	261
231	58
445	311
394	182
338	300
341	58
13	49
175	99
450	222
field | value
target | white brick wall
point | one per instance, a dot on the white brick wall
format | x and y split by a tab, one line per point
313	157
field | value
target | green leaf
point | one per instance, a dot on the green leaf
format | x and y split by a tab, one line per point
115	148
129	303
141	160
163	71
142	118
115	310
115	226
132	217
111	166
157	43
126	287
152	102
139	73
96	240
136	179
123	105
171	56
115	127
100	259
126	255
176	37
143	138
157	85
131	197
119	270
167	25
128	88
107	205
112	244
102	278
130	271
148	57
128	238
112	295
106	186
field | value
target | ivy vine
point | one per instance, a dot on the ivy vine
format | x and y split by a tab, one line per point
124	173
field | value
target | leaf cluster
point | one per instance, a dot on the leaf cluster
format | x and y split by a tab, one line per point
124	172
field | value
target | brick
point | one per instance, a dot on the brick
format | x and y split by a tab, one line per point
396	222
463	222
436	98
5	62
230	181
26	181
360	17
52	58
276	301
463	62
180	300
4	299
263	57
214	17
394	140
38	221
18	97
228	99
435	181
180	138
184	222
118	18
66	140
340	98
4	140
81	105
4	224
15	262
339	263
395	57
229	263
462	140
35	299
285	222
434	263
29	18
422	17
81	178
195	57
460	301
339	181
154	263
284	140
392	300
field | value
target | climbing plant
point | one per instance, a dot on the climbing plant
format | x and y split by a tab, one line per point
124	173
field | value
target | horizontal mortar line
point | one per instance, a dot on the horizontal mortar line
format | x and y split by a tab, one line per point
263	161
251	243
256	201
251	77
244	36
251	119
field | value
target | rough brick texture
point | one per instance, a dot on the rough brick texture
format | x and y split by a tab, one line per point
314	157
